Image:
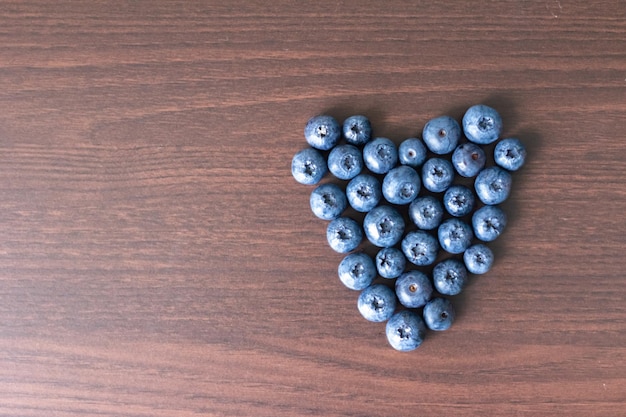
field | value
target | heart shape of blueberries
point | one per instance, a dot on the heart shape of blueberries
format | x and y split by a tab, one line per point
429	206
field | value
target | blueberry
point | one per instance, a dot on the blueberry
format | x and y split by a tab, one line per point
478	258
437	175
455	235
493	185
308	166
482	124
328	201
344	234
439	314
426	212
488	222
345	162
459	200
364	192
450	276
390	263
377	303
357	130
441	134
413	289
420	248
412	152
383	226
510	154
405	331
401	185
357	271
322	132
380	155
468	159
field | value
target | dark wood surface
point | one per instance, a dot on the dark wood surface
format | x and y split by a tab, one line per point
158	259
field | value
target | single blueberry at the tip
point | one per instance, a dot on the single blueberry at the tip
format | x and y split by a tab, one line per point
383	226
510	154
322	132
308	166
478	258
377	303
441	134
482	124
328	201
357	130
468	159
390	262
401	185
357	271
439	314
493	185
344	234
364	192
412	152
345	161
405	331
380	155
413	289
488	223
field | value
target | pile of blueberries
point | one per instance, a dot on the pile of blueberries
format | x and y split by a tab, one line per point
440	192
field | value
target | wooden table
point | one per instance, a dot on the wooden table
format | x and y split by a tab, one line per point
158	259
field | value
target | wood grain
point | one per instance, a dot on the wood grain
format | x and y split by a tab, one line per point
157	258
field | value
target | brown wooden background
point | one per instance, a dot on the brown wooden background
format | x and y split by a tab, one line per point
158	259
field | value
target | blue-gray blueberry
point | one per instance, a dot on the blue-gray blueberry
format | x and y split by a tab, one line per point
328	201
308	166
493	185
405	331
450	276
439	314
459	200
420	248
437	174
357	271
383	226
441	134
510	154
364	192
482	124
380	155
401	185
357	130
344	234
345	161
413	289
322	132
390	263
478	258
377	303
426	212
455	235
488	222
468	159
412	152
